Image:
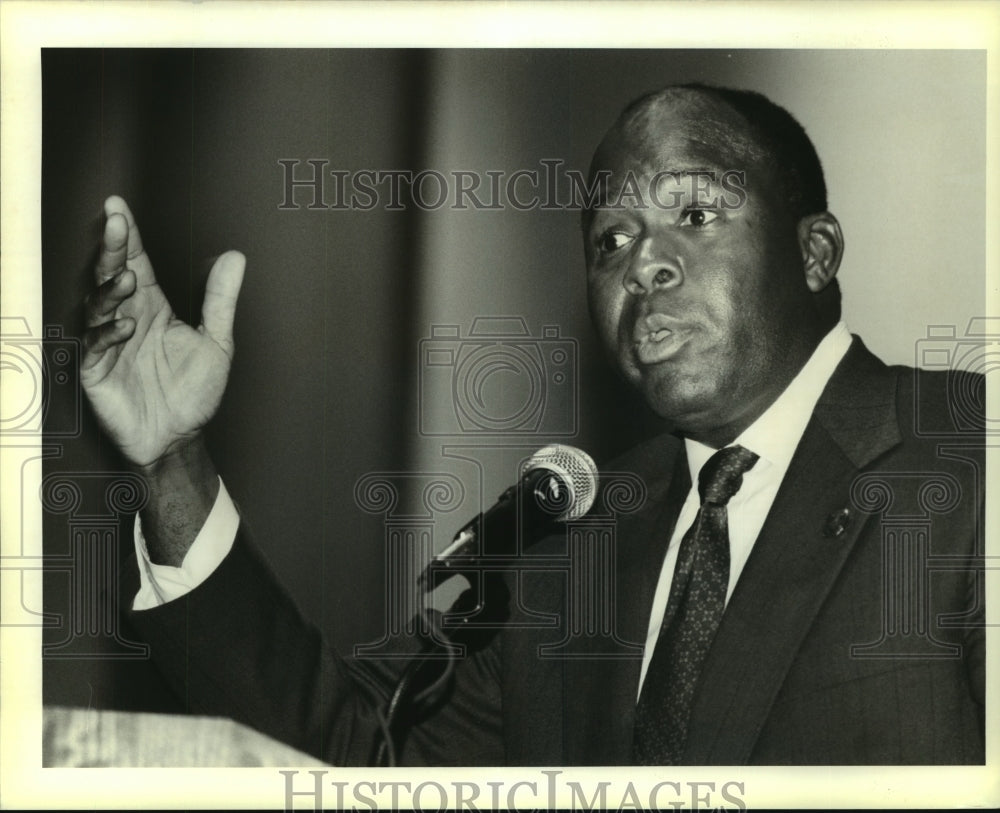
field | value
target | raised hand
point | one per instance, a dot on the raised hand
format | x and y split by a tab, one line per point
153	380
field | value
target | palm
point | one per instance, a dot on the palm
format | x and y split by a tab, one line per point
161	386
158	387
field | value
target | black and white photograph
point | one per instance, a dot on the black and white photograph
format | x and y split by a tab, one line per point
499	425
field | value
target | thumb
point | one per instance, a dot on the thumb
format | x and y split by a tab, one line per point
221	291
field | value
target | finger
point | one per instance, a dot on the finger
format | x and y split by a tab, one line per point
97	340
101	304
117	205
114	248
116	209
221	292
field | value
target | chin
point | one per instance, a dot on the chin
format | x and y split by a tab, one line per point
669	405
686	408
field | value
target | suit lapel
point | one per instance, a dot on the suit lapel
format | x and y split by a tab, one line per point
795	561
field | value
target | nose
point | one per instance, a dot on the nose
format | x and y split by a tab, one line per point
653	267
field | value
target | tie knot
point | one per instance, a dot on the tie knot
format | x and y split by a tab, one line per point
721	477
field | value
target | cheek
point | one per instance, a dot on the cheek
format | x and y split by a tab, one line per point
739	288
606	300
720	303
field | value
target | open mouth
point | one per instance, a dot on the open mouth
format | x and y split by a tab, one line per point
654	341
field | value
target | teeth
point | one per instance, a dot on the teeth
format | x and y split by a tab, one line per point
660	335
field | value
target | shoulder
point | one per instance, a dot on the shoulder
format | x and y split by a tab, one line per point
868	406
654	461
648	456
941	403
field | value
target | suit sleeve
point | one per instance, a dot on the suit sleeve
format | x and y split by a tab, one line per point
237	646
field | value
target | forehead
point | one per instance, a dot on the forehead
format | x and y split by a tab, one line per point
678	130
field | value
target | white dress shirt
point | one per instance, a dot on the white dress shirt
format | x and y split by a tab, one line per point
773	437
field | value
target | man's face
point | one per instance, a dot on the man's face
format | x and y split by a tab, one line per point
697	290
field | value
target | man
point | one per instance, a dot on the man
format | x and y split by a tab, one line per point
759	573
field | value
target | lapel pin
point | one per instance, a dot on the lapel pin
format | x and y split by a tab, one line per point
837	523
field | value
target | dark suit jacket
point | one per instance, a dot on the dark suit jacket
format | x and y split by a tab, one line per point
854	636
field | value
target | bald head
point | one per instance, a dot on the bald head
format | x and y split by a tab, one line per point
707	124
745	129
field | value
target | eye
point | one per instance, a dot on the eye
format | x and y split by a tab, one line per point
698	217
611	241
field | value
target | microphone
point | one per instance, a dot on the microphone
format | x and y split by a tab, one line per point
558	483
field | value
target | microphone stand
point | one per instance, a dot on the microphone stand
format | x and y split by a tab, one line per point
412	696
531	504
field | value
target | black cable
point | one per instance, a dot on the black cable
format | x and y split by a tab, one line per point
435	641
386	749
426	697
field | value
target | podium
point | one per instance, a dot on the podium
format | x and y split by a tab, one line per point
89	738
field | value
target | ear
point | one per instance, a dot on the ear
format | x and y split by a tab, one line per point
822	246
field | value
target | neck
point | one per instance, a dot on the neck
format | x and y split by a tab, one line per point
729	426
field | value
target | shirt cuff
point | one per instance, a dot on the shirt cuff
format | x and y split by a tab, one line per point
159	584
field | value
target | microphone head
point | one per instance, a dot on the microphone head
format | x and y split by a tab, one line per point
571	493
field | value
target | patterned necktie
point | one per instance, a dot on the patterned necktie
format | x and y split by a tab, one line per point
694	608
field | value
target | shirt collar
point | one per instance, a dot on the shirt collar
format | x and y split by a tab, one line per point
777	432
